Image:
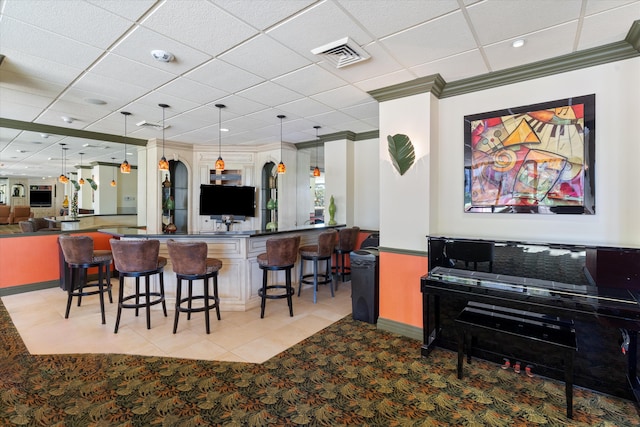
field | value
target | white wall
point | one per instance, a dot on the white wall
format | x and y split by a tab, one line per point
404	200
366	194
617	197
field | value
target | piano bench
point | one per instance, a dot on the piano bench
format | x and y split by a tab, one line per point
537	327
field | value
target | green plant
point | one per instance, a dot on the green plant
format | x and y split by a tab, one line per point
93	184
401	151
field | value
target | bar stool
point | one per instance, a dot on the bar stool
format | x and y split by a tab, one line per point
316	253
139	258
79	256
347	238
190	262
281	255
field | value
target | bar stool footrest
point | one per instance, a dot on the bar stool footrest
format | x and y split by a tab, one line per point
288	293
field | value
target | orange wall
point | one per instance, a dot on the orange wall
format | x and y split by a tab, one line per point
400	296
34	258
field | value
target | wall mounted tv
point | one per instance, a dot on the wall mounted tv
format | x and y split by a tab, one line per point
227	200
40	196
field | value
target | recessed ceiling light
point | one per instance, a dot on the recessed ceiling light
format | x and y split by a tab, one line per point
67	119
224	130
94	101
162	55
518	43
44	135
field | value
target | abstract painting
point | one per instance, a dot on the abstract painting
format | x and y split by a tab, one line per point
532	159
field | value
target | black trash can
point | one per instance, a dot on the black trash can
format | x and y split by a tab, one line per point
365	285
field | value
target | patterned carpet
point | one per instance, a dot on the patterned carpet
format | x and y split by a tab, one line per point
349	374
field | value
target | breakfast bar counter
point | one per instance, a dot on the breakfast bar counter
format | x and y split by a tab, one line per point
240	277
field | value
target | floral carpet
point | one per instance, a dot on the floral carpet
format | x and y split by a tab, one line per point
349	374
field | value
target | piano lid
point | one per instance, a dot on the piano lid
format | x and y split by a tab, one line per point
538	269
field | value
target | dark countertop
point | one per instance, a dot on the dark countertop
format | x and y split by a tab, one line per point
137	232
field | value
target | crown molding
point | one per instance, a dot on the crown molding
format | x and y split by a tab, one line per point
574	61
618	51
77	133
434	84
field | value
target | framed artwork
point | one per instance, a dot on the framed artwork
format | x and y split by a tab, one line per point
532	159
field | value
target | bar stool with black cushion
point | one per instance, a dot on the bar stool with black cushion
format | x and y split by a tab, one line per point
79	256
323	251
139	258
190	262
347	238
281	254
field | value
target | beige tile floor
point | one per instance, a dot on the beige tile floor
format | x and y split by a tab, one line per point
239	336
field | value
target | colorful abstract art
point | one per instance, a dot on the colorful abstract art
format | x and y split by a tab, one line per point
532	159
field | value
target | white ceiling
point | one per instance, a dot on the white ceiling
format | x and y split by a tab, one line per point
255	57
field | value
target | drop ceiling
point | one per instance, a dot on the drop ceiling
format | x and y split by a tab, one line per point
254	56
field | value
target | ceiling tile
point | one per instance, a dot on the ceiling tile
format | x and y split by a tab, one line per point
304	107
380	62
454	67
269	94
203	25
310	80
262	14
44	44
131	10
541	45
28	67
73	19
192	91
264	57
302	32
223	76
434	40
608	27
117	92
515	17
29	84
385	80
136	73
138	44
343	97
388	17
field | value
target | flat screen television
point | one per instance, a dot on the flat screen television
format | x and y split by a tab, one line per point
227	200
40	198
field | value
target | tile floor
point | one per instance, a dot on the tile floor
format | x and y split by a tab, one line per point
238	336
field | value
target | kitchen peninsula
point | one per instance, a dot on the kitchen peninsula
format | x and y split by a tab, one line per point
240	277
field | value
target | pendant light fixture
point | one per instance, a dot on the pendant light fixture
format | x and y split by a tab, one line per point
316	170
113	180
220	162
125	167
64	161
281	167
163	164
63	177
81	180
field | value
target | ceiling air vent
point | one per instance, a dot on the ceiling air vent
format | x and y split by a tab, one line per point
146	124
342	52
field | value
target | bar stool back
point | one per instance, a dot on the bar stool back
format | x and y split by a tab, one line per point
79	256
347	238
139	258
190	262
322	251
281	254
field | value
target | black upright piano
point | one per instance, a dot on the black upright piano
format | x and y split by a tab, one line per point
596	287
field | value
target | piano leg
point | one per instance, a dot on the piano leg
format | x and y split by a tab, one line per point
632	364
431	328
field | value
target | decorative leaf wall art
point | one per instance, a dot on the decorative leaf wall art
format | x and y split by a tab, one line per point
401	151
